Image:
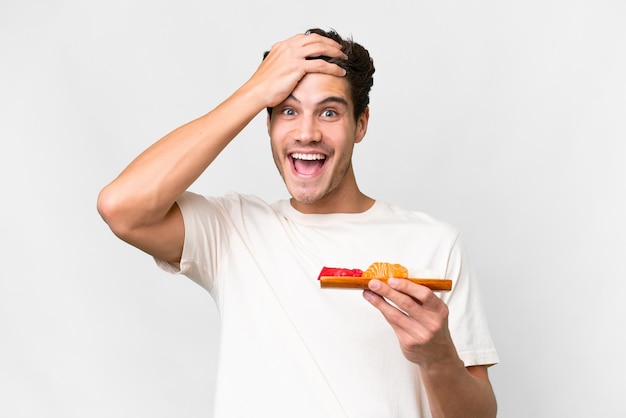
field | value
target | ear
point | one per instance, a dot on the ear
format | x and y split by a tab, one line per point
361	125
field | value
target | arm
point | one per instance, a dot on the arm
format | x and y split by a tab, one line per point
422	328
139	205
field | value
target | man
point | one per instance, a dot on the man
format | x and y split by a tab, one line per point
287	347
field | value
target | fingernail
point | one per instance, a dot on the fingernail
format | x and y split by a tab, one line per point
392	282
374	284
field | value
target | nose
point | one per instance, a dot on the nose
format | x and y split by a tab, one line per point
309	130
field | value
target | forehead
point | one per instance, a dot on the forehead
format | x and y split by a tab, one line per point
315	88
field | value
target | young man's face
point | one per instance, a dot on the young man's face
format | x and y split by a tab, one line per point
313	133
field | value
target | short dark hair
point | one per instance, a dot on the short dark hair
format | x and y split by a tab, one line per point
359	69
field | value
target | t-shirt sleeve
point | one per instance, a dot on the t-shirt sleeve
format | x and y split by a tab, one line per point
467	318
205	240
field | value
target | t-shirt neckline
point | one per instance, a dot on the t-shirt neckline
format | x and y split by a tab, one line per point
285	208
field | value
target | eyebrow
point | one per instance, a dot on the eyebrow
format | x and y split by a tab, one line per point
329	99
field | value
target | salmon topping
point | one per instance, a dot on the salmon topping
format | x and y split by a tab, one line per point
385	270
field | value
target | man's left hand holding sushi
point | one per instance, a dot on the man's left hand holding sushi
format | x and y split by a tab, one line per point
420	320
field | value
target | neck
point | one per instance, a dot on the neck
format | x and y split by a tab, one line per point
346	198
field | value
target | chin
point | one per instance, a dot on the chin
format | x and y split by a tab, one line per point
305	198
305	195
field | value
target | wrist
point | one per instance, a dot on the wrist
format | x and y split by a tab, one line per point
443	365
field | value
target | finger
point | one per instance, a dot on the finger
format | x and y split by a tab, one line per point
421	306
407	303
309	46
395	317
316	45
304	51
413	329
409	330
325	67
428	311
423	295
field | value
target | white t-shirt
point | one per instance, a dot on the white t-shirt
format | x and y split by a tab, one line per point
291	349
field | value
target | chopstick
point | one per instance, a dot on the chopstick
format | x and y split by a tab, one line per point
348	282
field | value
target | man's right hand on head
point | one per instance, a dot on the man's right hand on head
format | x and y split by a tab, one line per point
290	60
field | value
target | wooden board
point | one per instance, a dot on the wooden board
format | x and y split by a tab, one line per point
347	282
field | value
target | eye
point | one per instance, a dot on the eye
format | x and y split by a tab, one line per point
329	113
288	111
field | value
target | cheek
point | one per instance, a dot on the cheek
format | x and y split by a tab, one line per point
346	138
277	131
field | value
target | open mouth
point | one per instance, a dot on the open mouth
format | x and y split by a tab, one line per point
307	164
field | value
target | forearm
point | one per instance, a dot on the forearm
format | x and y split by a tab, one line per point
146	190
453	391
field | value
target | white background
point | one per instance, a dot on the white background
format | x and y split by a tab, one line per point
506	119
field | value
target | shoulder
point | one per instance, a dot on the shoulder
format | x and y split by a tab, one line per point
232	207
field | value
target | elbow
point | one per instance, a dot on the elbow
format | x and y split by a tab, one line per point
114	212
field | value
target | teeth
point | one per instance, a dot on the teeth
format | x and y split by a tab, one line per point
308	157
